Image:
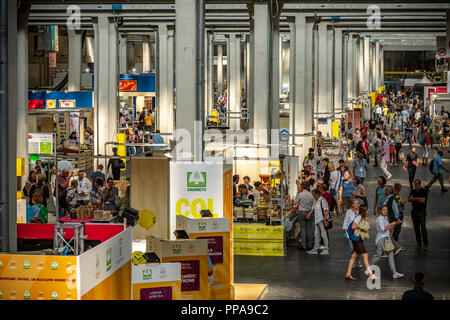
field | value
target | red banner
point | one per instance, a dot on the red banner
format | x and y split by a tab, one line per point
127	85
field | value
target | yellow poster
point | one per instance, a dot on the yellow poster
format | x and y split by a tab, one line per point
51	104
37	277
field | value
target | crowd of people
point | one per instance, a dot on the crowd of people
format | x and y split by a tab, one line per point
74	189
325	188
220	110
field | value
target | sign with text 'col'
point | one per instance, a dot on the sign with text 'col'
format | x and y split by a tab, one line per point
195	186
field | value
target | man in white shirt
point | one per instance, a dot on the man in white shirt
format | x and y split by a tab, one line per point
321	211
378	112
305	200
84	188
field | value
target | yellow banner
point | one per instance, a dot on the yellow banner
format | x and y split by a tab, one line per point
258	248
38	277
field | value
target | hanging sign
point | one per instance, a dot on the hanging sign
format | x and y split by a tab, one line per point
67	103
127	85
40	143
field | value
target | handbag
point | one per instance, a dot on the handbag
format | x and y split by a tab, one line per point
388	245
328	219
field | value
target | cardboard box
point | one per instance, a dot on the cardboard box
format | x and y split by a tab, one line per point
193	256
161	281
217	232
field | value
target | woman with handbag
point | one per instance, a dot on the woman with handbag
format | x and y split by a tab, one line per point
359	192
360	223
384	241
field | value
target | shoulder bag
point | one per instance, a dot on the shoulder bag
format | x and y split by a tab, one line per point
388	245
328	219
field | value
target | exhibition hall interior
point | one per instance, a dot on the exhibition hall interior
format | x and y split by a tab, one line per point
224	150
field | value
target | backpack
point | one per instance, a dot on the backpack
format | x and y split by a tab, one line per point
359	147
37	189
43	215
391	215
351	233
328	219
431	166
422	140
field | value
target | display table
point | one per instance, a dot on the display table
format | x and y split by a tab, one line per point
258	240
66	219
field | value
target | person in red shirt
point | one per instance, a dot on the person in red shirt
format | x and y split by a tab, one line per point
365	128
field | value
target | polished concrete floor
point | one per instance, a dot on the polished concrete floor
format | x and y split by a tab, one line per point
301	276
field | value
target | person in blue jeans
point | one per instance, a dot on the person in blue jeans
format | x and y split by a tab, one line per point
437	172
360	167
408	131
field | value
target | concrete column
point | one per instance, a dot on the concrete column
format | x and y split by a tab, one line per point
355	67
244	62
131	60
316	72
146	66
322	76
165	110
250	74
276	57
209	77
106	65
308	109
377	64
260	57
170	82
22	91
299	107
350	66
292	55
219	69
361	63
186	67
337	70
366	64
373	66
113	64
233	76
329	74
382	64
228	86
74	81
123	54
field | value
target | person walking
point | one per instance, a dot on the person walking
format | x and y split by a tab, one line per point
350	215
384	227
425	141
401	203
305	200
437	172
380	196
384	156
345	196
359	192
321	212
398	137
417	293
393	214
418	198
360	167
335	184
358	244
116	164
63	185
41	189
411	163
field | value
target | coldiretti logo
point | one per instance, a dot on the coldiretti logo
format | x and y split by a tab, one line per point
196	181
26	295
176	248
54	265
1	265
55	295
26	265
146	274
201	226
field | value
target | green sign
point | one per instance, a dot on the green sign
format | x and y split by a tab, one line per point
196	181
